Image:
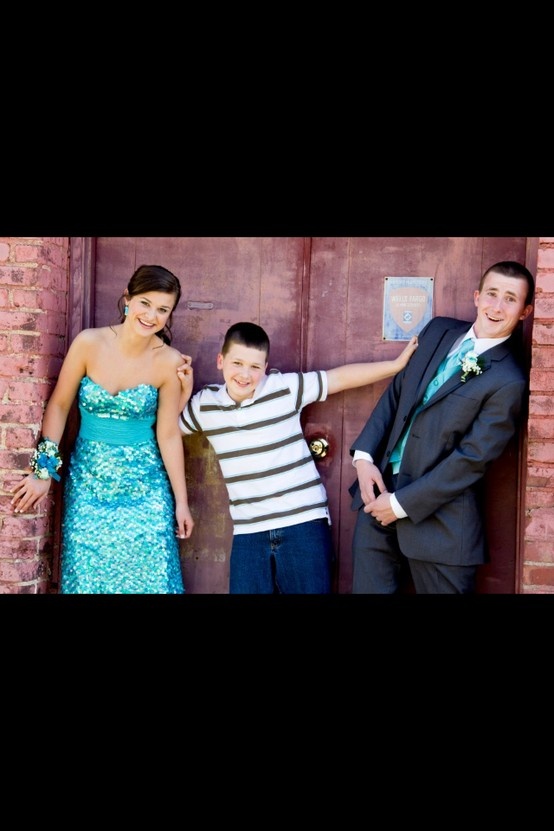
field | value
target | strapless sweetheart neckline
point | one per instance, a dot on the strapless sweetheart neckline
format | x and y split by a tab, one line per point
115	394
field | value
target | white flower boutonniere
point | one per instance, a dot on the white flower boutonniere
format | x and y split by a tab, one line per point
471	363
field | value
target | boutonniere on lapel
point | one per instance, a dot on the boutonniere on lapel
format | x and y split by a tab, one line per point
471	363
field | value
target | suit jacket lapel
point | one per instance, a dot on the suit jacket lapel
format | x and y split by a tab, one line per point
495	353
444	345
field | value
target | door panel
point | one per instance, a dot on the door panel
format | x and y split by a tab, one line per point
223	280
345	325
321	302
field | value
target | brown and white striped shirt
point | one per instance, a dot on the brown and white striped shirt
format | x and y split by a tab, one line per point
271	477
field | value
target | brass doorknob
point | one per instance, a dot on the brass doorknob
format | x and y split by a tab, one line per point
319	447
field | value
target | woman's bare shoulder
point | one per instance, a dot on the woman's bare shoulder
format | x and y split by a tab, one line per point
94	335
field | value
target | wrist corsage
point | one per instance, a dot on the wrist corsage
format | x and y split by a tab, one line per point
471	363
46	460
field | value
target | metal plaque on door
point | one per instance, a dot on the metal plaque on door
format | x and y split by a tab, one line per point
407	306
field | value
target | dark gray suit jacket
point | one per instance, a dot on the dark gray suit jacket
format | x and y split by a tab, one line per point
453	440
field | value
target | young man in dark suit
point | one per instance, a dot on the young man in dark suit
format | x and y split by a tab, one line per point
427	444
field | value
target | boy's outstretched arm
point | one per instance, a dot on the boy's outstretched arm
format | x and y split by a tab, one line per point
185	375
358	375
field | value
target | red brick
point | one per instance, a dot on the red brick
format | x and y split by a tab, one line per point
18	571
538	590
19	320
28	342
540	498
42	587
53	301
544	474
541	405
541	428
55	324
540	524
19	437
17	276
15	588
543	333
19	365
23	414
539	575
538	551
52	279
29	299
543	357
541	380
27	253
544	306
540	451
545	282
545	257
19	549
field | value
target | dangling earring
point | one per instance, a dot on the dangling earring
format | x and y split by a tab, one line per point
126	312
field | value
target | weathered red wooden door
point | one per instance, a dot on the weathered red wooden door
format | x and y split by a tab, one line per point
321	302
345	324
223	280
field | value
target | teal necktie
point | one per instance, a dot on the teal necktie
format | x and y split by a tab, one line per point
447	368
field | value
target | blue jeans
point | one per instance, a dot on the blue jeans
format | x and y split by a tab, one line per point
293	560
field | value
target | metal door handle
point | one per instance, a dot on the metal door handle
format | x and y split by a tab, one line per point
319	447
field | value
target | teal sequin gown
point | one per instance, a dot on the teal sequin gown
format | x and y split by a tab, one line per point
118	526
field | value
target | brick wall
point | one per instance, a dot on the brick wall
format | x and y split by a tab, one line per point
538	554
34	275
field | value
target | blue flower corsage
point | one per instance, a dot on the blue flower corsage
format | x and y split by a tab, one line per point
46	460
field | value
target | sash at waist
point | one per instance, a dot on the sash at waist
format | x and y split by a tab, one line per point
115	430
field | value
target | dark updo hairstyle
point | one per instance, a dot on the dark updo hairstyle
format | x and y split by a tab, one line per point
153	278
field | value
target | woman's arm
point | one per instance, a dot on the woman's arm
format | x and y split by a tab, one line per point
31	491
172	451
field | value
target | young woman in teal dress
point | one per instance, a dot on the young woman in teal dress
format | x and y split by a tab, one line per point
125	496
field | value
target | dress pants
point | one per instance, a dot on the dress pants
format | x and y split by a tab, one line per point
379	567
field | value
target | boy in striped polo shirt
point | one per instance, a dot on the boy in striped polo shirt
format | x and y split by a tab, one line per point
281	536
